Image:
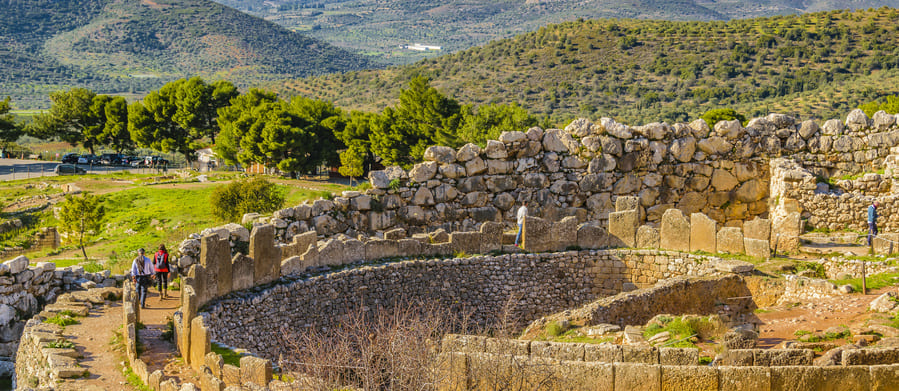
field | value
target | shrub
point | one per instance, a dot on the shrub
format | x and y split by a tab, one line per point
713	116
232	201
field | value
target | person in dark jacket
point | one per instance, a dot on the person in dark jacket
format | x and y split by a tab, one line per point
872	221
161	266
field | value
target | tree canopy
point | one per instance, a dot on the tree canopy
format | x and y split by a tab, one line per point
10	130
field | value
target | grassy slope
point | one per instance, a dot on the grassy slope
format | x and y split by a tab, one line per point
142	215
644	71
49	45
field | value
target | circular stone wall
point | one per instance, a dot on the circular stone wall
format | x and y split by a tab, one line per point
539	284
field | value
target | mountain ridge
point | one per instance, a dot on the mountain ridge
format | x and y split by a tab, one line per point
103	44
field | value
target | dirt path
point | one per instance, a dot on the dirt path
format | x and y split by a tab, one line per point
92	339
160	353
783	321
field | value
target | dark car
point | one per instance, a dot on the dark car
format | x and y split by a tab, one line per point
70	158
110	159
69	169
155	161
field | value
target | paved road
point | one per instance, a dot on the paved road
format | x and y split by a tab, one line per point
11	169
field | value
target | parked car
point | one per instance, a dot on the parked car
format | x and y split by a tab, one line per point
128	160
154	161
69	169
70	158
88	159
111	159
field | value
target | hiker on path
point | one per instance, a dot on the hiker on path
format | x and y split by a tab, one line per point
872	221
161	267
141	273
522	213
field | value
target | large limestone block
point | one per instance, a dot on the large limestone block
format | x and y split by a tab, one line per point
381	249
587	376
592	237
703	235
467	152
744	378
496	150
730	240
255	370
884	377
537	235
788	228
243	272
797	378
757	248
266	257
199	343
757	229
647	237
491	237
466	242
838	378
637	377
215	256
683	149
674	232
689	377
564	233
680	356
623	228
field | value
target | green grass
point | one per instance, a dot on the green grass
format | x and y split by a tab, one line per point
64	318
228	356
738	257
134	380
60	345
876	281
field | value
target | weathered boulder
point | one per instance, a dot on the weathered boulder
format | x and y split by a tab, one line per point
580	127
715	145
832	127
808	129
440	154
495	150
378	179
751	191
700	128
723	180
422	172
741	338
475	166
857	120
467	152
886	303
730	130
683	149
883	121
507	137
757	228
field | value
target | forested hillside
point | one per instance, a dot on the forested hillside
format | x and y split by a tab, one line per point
642	71
120	46
379	27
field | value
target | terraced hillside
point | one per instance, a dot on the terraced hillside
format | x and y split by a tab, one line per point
817	64
122	46
380	27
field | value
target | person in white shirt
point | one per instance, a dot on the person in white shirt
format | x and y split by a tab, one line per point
141	272
522	213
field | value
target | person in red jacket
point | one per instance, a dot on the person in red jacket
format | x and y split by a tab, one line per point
161	266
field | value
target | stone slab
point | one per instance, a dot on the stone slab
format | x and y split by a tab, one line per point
695	378
703	235
674	233
623	228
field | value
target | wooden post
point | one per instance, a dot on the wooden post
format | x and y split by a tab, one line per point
864	283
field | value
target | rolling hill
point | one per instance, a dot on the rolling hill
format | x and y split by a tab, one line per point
133	46
380	27
638	71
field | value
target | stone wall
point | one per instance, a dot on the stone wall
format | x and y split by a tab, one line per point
467	371
47	237
25	291
537	284
582	170
39	366
702	296
838	267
